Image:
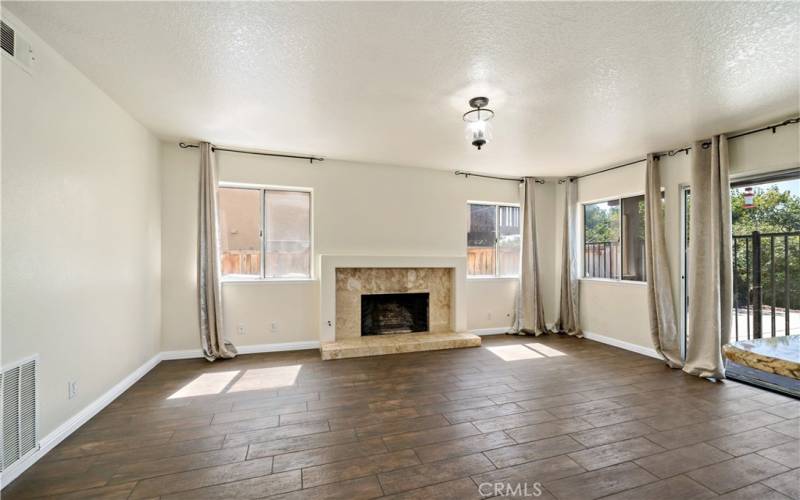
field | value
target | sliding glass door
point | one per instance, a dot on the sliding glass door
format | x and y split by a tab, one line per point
766	256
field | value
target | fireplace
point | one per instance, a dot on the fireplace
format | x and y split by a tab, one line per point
348	282
389	313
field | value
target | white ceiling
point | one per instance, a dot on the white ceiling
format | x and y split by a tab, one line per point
575	86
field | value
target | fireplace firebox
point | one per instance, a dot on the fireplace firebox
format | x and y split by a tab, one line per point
390	313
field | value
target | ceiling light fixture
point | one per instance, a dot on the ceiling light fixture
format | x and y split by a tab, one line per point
478	131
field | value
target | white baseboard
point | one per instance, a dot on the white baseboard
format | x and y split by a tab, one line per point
183	354
491	331
51	440
245	349
283	346
502	330
646	351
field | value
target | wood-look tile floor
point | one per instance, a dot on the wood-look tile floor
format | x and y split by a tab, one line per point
563	417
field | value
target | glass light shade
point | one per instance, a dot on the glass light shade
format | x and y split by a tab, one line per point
478	133
478	130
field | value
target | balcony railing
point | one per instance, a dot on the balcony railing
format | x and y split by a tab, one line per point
766	285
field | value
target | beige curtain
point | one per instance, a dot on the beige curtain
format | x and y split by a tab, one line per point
663	327
568	309
710	274
208	263
529	318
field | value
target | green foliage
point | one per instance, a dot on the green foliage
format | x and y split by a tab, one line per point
642	208
601	222
775	211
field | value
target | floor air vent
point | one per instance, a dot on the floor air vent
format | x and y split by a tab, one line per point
19	385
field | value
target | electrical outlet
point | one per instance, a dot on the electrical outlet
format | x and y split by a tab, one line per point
72	389
488	315
240	329
273	327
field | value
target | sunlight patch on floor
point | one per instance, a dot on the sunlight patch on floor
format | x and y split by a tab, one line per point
518	352
545	350
514	352
255	379
266	378
206	384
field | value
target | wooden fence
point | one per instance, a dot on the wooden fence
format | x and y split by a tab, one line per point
481	261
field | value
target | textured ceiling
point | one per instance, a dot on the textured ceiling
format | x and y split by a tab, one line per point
575	86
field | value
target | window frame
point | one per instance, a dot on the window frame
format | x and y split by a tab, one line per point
495	276
263	189
582	212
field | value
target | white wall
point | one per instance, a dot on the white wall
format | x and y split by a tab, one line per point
490	303
359	209
80	233
619	310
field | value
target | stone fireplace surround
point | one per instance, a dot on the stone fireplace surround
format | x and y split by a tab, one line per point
340	282
353	283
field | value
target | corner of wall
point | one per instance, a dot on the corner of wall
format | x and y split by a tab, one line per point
84	265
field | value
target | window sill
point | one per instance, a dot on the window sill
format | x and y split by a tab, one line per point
614	282
492	278
262	281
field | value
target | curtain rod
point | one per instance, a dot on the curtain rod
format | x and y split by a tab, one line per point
467	175
311	159
674	152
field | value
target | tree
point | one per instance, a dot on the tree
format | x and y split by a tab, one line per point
601	222
775	211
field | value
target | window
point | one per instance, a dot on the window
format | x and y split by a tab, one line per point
601	239
493	240
613	239
266	233
633	267
240	231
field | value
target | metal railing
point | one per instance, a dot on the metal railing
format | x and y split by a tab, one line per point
766	284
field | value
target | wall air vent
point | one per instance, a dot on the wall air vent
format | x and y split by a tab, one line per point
16	47
19	385
7	38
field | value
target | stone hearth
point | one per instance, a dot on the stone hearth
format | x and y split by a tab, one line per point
344	279
376	345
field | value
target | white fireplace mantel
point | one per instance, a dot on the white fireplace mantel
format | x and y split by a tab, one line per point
327	275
